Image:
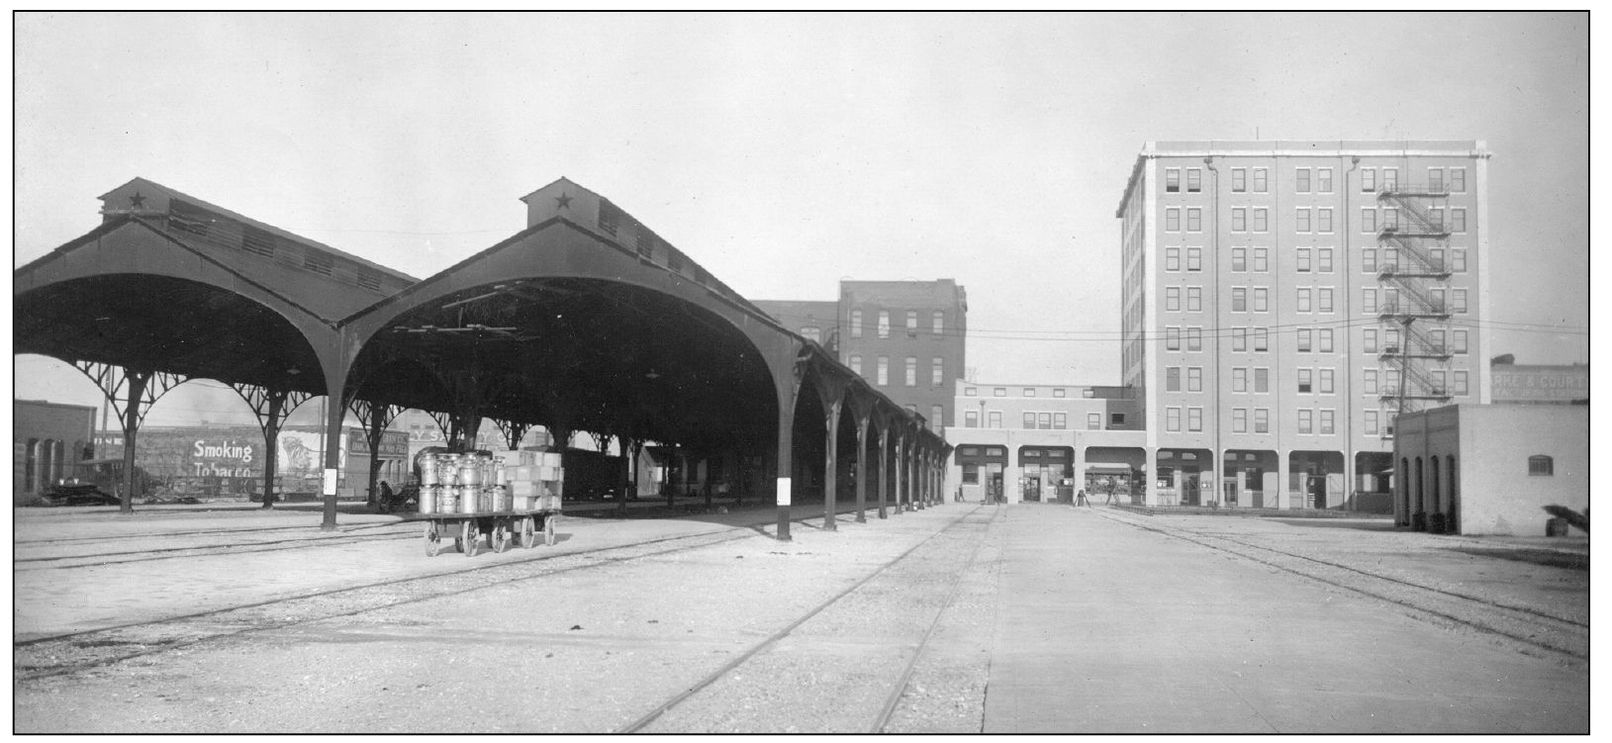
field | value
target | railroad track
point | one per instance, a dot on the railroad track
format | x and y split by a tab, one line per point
857	672
149	554
1523	624
77	651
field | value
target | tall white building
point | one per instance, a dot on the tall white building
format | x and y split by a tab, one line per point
1284	300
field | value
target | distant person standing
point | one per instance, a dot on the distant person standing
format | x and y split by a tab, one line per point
1080	498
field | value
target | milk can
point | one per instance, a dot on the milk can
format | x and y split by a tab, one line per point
428	497
469	466
447	499
428	471
468	495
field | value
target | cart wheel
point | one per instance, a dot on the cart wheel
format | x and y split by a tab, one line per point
433	541
529	532
500	538
470	536
548	529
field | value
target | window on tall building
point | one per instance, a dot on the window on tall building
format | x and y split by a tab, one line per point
1261	299
1172	180
1326	421
1368	381
1239	379
1239	180
1172	219
1390	179
1172	419
1060	421
1368	260
1194	220
1458	260
971	419
1306	422
884	323
912	323
1368	219
1301	219
912	371
1323	180
1029	420
1239	299
1435	180
1262	379
1043	420
1261	339
1390	218
1391	340
1262	422
856	363
1390	259
1435	215
1194	419
1194	259
1368	180
1324	381
1194	299
937	372
1458	300
1461	383
937	322
1058	392
1094	421
1370	423
994	419
856	323
1323	300
1457	180
1239	420
1458	220
1172	259
937	417
1194	379
1194	338
1239	259
1172	338
1259	180
1435	339
1301	180
1239	339
1323	260
1303	260
883	371
1029	392
1239	219
1194	180
1304	379
1260	224
1368	301
999	392
1172	299
1459	341
1304	340
1325	340
1368	340
1540	465
1261	265
1323	220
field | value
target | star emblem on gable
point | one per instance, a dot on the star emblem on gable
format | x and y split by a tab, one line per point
563	200
137	200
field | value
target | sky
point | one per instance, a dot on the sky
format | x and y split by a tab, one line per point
785	152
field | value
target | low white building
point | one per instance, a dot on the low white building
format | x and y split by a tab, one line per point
1490	469
1039	442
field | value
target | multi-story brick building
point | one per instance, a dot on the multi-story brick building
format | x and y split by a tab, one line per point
1283	301
905	337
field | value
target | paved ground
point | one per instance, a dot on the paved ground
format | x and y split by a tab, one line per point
1065	620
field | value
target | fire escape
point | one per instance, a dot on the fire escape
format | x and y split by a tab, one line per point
1414	282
